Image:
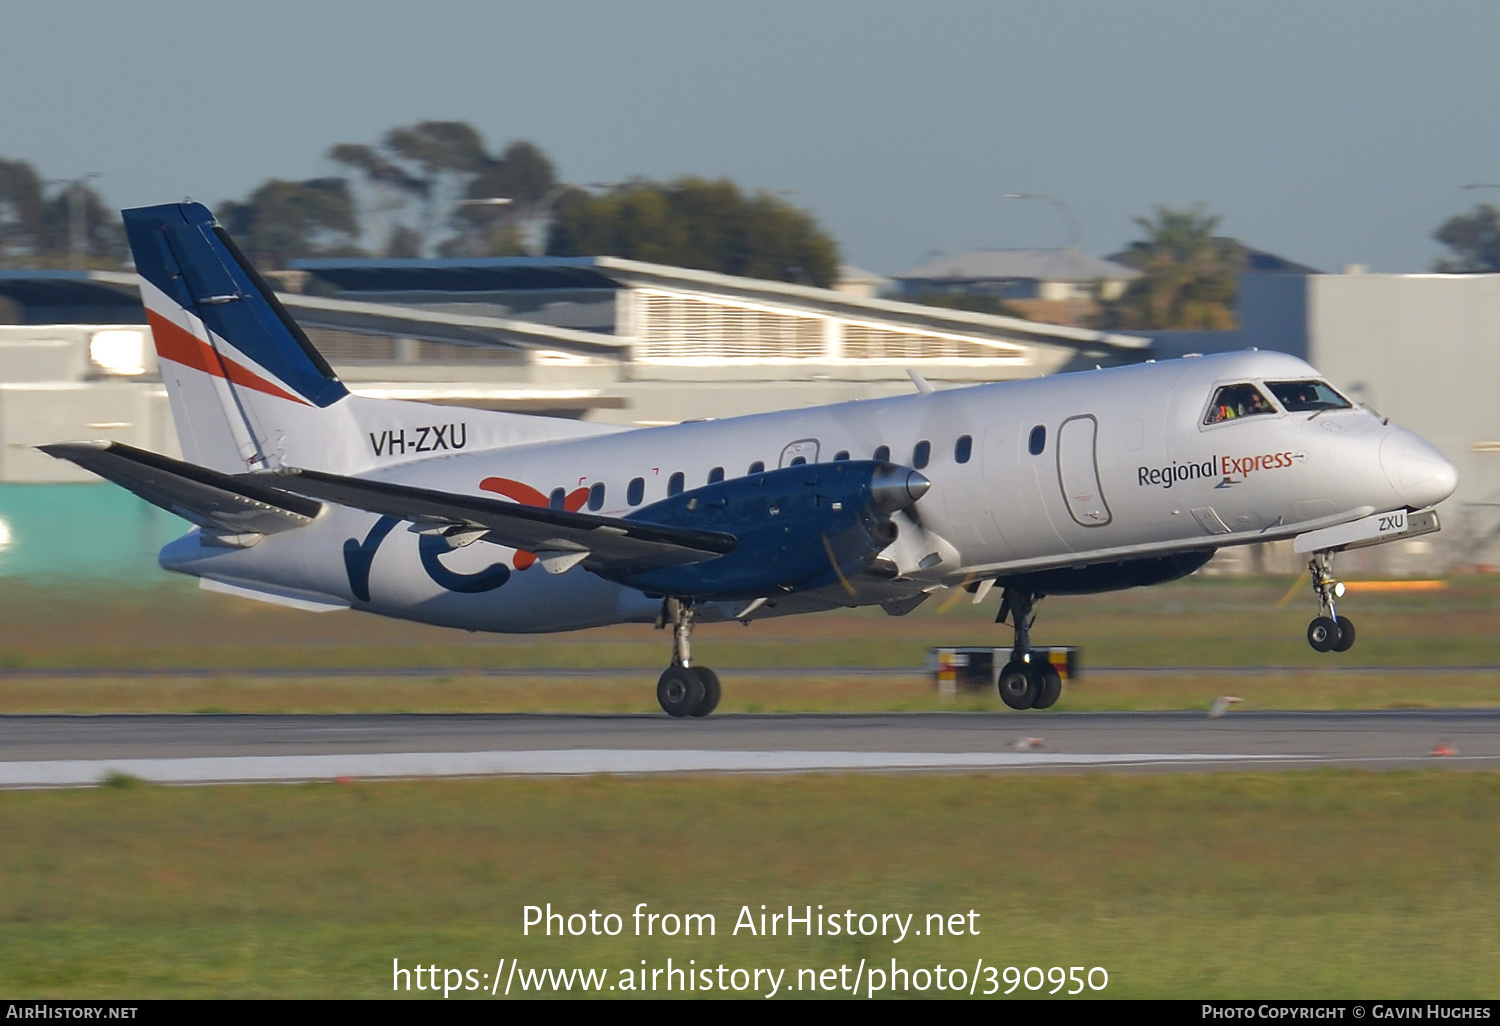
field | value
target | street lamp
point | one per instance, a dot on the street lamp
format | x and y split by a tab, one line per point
77	215
479	201
540	218
1074	236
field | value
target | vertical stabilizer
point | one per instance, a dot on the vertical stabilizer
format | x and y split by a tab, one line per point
241	375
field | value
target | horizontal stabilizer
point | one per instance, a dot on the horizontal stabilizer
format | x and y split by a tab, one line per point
215	501
609	543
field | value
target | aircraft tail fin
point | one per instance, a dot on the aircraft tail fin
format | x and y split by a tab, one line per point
240	374
248	389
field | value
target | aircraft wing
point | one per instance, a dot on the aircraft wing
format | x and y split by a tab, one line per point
561	538
218	502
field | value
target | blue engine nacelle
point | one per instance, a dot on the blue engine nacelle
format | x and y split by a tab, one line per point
797	528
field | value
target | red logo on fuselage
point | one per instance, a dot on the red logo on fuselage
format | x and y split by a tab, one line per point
528	496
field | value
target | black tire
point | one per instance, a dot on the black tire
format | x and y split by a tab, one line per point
1018	686
1322	634
679	691
711	691
1346	635
1049	687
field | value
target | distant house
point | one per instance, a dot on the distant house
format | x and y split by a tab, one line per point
1010	274
856	281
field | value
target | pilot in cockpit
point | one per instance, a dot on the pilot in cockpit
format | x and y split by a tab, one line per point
1234	401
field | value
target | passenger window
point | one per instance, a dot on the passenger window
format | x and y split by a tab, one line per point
757	467
883	454
842	454
1235	401
1038	440
675	483
963	449
921	454
557	498
636	491
596	496
797	461
716	475
1303	396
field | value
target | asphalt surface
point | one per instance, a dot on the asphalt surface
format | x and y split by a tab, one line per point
42	751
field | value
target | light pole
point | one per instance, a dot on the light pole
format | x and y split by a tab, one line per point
541	214
481	201
1074	236
77	215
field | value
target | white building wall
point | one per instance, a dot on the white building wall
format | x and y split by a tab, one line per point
1424	350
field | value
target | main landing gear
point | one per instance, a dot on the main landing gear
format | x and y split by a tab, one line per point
684	689
1025	683
1329	632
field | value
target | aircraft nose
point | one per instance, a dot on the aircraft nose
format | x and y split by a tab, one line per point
1421	475
894	488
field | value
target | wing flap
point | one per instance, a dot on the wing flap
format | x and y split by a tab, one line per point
607	543
214	501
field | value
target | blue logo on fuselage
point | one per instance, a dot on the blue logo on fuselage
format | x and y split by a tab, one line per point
360	556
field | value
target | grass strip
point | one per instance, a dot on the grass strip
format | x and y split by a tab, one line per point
1320	884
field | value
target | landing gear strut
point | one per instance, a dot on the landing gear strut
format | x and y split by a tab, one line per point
1328	632
684	689
1025	683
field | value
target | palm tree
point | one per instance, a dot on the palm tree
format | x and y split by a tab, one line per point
1187	274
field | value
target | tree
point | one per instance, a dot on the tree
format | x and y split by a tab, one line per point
1187	274
709	225
1473	238
21	213
440	168
71	228
283	221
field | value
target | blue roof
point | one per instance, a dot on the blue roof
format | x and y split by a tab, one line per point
457	274
70	297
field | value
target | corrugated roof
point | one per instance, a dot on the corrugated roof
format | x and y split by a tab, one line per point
1019	264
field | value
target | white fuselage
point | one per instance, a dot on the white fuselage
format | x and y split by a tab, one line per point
1126	465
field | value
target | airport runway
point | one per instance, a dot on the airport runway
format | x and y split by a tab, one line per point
53	751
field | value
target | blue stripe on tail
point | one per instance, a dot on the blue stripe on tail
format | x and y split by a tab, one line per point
180	249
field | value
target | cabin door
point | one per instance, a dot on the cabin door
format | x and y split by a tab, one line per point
1078	471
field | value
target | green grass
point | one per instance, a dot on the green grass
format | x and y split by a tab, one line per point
1209	623
1325	884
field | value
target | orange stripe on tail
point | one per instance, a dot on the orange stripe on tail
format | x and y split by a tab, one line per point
175	343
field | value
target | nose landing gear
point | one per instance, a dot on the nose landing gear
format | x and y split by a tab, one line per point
684	689
1025	683
1328	631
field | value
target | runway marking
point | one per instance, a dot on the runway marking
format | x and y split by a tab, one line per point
563	762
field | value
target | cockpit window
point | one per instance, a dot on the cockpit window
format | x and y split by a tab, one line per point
1234	401
1303	396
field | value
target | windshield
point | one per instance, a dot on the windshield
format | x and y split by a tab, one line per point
1305	396
1234	401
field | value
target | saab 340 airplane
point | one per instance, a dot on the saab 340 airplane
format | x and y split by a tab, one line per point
307	495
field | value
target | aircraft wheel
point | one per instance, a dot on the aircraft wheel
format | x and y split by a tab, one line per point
1323	634
1049	688
1346	635
679	690
711	691
1017	685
